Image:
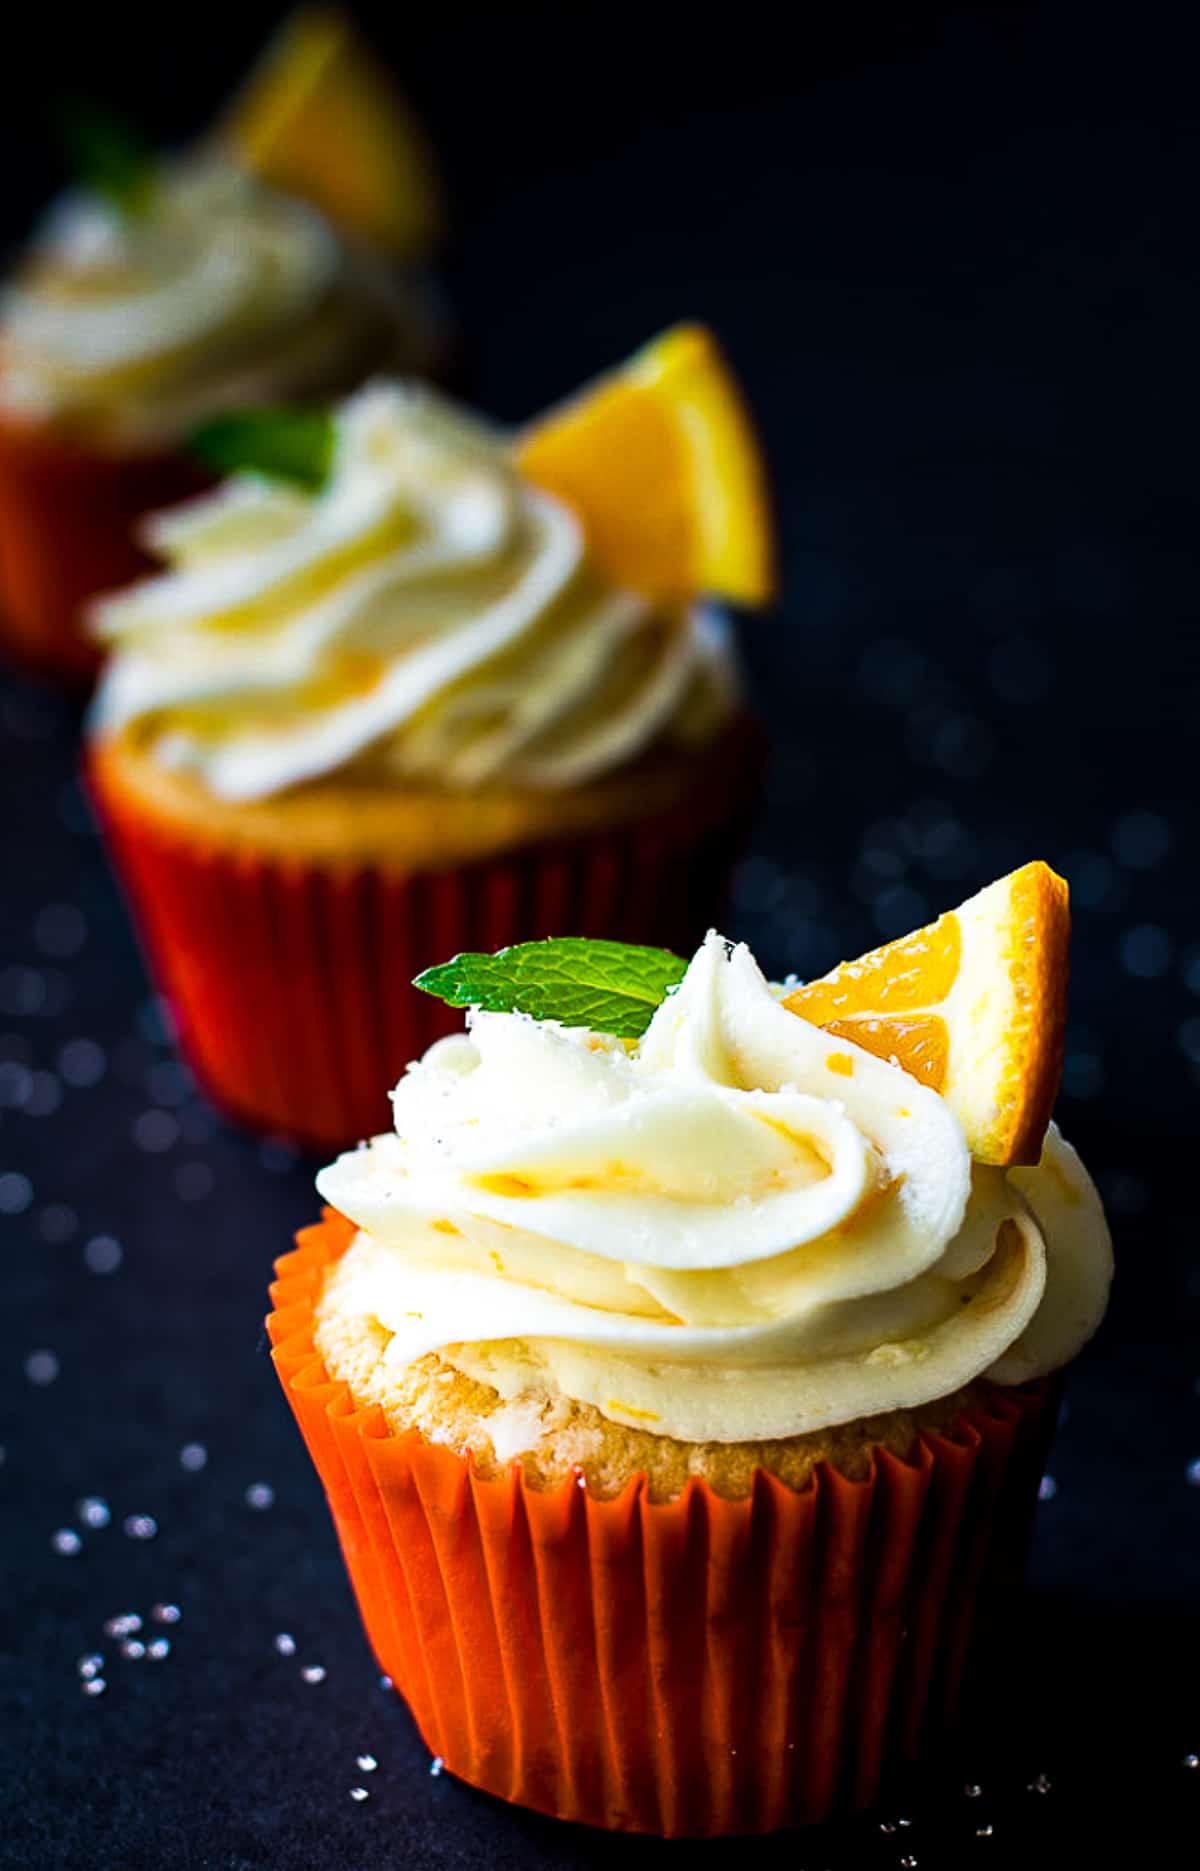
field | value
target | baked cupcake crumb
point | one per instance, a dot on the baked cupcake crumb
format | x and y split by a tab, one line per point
554	1437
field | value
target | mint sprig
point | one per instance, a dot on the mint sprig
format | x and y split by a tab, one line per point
108	155
611	987
285	443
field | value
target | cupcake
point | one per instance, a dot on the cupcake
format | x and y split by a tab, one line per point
406	710
159	293
680	1374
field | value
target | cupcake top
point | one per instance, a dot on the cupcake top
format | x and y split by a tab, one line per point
734	1228
129	325
425	613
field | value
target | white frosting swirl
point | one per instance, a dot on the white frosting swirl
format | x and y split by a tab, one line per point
221	292
737	1229
429	611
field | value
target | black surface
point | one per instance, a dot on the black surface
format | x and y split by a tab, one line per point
954	255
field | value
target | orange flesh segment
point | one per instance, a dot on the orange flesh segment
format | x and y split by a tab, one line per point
921	1044
624	427
899	984
918	971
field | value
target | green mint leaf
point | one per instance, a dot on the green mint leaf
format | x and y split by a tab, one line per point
286	444
611	987
108	155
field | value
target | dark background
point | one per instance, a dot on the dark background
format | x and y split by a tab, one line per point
953	253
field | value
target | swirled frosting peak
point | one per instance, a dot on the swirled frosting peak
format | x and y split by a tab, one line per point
221	291
735	1229
427	614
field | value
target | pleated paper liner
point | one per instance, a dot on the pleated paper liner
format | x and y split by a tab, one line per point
694	1668
67	516
290	981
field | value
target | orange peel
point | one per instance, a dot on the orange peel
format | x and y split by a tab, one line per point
320	117
660	461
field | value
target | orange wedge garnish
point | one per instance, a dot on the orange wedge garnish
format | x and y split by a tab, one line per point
975	1006
661	463
319	117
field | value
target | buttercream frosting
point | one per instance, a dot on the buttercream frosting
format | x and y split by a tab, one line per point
428	613
222	291
735	1229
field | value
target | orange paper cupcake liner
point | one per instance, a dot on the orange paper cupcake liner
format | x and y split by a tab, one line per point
290	981
691	1668
67	516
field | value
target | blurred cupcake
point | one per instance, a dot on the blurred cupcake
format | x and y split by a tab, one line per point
404	709
161	292
681	1400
